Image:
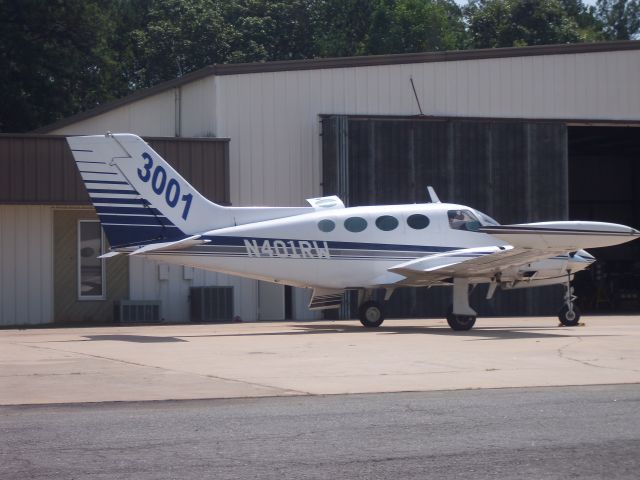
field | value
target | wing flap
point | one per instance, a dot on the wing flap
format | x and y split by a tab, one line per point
469	262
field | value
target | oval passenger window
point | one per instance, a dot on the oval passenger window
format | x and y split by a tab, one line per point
355	224
417	221
387	223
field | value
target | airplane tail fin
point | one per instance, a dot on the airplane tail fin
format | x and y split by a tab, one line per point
139	197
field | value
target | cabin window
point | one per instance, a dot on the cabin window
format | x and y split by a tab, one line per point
91	271
463	220
387	223
417	221
355	224
326	225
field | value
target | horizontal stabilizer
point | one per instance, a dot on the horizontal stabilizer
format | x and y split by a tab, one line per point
109	255
324	298
180	244
326	203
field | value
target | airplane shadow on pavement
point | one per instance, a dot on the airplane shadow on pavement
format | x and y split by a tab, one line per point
476	334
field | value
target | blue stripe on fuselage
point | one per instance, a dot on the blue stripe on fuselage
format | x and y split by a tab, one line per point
239	241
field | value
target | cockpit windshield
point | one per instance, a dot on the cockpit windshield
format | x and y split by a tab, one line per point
463	220
487	220
469	221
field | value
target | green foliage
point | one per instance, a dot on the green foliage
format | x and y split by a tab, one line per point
341	27
265	30
178	37
416	26
620	18
55	60
513	23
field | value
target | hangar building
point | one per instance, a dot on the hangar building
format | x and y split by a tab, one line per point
525	134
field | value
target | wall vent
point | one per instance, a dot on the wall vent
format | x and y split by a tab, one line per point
137	311
211	304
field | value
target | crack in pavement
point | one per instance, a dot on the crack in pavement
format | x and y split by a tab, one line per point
563	356
164	369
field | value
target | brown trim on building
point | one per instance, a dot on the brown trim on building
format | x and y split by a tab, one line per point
347	62
39	169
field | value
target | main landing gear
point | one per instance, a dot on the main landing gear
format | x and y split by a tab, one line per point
461	316
569	314
371	312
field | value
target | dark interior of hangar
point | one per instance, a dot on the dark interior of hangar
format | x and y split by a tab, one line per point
516	171
604	185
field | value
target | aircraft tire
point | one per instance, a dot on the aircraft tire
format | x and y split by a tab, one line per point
371	314
566	318
460	323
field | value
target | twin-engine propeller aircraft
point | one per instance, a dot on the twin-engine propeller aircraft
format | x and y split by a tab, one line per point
147	208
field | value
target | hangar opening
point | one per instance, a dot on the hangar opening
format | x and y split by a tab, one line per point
604	185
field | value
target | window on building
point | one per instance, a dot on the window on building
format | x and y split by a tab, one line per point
463	220
91	271
355	224
326	225
417	221
387	223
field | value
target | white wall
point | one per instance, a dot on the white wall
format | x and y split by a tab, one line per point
26	264
145	283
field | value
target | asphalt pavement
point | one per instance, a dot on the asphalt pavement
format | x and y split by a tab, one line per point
538	433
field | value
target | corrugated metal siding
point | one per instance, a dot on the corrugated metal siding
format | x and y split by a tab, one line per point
40	170
26	265
174	291
67	307
272	117
515	172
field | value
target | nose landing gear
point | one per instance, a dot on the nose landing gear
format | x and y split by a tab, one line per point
569	314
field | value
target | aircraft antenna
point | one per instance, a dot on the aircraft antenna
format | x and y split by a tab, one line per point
415	94
432	195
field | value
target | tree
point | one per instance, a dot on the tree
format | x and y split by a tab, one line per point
509	23
402	26
620	18
55	60
178	37
341	27
265	30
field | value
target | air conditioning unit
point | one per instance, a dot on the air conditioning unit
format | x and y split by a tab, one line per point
137	311
211	304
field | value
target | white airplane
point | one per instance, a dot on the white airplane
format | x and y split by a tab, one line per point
146	208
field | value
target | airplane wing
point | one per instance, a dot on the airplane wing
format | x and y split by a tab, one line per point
528	243
470	262
565	235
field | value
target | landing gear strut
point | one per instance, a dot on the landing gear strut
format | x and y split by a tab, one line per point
569	314
461	316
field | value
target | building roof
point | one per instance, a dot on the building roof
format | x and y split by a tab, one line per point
346	62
